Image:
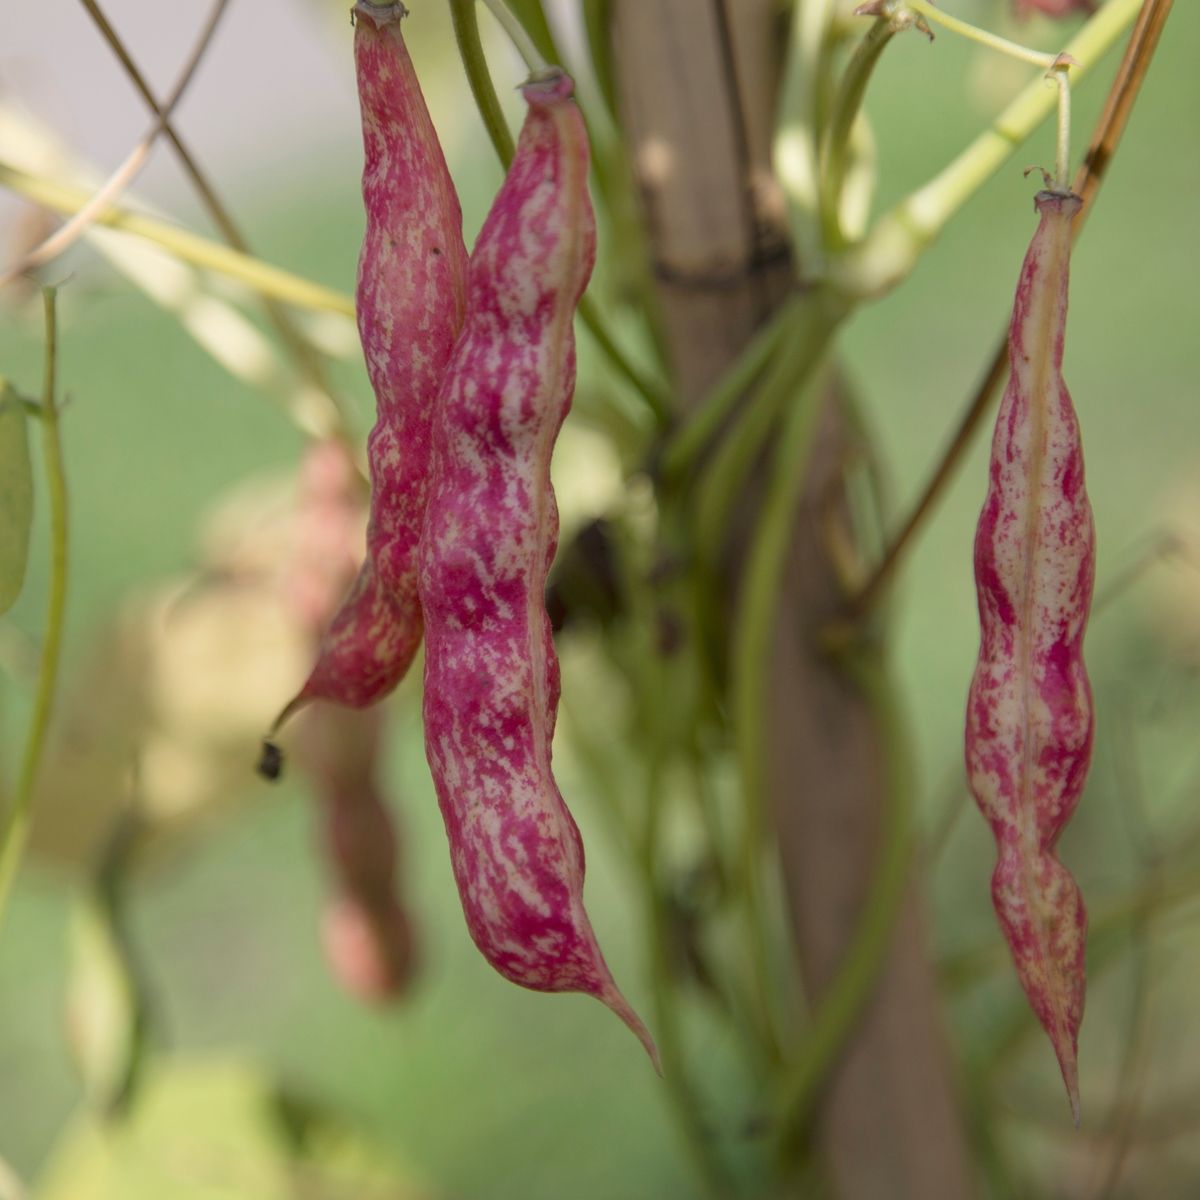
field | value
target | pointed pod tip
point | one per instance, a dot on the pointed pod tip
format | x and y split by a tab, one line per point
1069	1065
613	998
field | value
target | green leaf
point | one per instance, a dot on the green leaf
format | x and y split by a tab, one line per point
16	496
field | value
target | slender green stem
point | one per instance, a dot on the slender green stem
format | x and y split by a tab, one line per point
684	1100
691	439
813	322
187	246
1062	156
886	256
653	393
984	37
840	1005
534	59
470	49
597	15
750	654
532	16
655	687
796	146
16	825
847	104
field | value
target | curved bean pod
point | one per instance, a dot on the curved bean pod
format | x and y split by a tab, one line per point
491	529
1029	714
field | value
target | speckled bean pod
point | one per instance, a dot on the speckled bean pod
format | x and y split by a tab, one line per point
491	529
410	296
1029	714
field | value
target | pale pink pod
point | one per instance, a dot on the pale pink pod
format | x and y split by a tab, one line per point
491	529
367	934
369	949
1029	713
1053	8
410	300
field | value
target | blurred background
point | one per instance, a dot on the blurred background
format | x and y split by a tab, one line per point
261	1076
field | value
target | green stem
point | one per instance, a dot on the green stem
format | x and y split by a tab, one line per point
597	17
795	148
691	439
668	1034
534	58
479	78
16	827
188	247
843	1000
877	264
652	392
847	105
750	653
653	684
1062	156
814	319
983	37
532	17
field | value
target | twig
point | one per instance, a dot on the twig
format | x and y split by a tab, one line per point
303	354
65	237
190	247
1105	139
16	825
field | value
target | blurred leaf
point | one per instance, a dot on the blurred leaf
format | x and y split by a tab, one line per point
219	1130
16	496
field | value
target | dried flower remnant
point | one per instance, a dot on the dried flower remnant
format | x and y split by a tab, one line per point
1029	713
410	300
491	529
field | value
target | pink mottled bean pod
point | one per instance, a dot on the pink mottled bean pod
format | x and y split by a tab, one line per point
410	298
491	529
1029	714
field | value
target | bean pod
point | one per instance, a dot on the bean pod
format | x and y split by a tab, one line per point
491	529
366	930
1029	714
410	300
